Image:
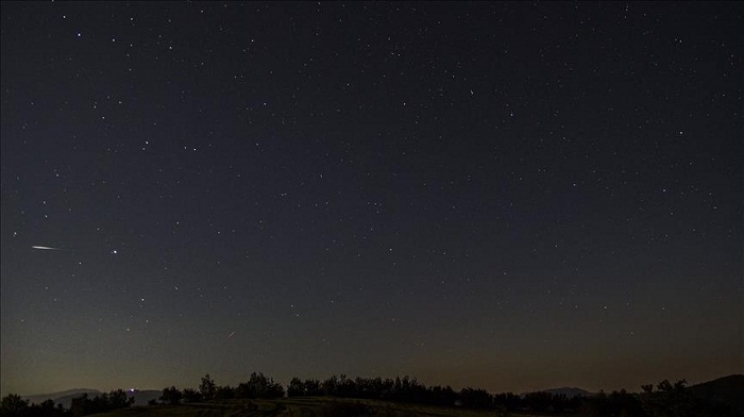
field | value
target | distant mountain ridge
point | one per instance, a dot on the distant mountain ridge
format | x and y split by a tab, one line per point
569	392
62	397
141	397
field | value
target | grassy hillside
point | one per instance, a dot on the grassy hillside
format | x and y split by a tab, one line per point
295	407
727	390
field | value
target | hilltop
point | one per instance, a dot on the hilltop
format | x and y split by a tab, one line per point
727	390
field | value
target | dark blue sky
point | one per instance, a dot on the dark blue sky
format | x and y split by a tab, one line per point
504	195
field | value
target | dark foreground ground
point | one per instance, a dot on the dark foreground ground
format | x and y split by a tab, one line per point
296	407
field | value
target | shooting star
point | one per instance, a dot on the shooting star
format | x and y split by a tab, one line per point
231	334
37	247
47	248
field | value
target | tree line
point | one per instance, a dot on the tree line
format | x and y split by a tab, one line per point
663	400
14	405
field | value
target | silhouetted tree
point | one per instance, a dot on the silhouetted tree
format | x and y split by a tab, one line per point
13	405
191	395
443	396
225	392
538	401
118	399
330	386
675	400
102	403
259	386
49	409
616	404
171	395
625	404
346	388
313	387
296	388
207	388
476	398
77	405
274	390
508	402
385	388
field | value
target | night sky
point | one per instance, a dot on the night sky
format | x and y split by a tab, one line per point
511	196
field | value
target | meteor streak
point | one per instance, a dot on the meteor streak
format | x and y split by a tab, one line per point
45	248
37	247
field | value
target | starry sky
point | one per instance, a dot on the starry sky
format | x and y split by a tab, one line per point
511	196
